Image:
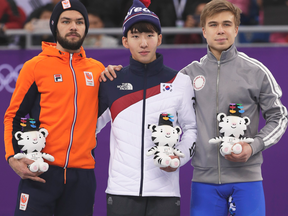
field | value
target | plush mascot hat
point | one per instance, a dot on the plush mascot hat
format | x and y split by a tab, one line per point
64	5
165	119
28	125
235	109
139	12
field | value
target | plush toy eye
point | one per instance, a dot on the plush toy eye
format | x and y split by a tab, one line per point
27	137
161	131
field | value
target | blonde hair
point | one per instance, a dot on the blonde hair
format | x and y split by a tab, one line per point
218	6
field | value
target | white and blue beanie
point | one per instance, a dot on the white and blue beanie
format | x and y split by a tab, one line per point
139	12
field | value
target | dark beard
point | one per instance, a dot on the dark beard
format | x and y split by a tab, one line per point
69	45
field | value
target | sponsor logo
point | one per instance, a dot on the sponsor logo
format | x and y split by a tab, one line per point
110	201
8	76
199	82
166	87
177	203
66	4
89	78
125	86
58	78
23	201
136	10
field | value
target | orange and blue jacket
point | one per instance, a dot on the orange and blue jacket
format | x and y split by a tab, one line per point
60	91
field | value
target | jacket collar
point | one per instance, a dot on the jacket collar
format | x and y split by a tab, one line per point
49	49
150	69
226	55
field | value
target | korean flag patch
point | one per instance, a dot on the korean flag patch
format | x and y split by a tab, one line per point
166	87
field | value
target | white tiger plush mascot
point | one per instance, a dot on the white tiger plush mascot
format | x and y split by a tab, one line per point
233	128
165	136
31	141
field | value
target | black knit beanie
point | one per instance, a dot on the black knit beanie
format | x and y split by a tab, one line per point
67	5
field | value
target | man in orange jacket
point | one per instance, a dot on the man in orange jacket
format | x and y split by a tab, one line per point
55	89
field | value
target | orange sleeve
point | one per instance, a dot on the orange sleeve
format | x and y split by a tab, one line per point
99	64
20	105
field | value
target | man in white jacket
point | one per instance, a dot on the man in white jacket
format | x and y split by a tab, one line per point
143	90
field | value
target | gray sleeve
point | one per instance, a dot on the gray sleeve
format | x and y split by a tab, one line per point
184	70
274	113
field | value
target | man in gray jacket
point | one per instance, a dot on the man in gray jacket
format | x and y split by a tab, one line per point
227	78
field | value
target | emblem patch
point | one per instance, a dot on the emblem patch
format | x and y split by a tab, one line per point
23	201
166	87
199	82
66	4
89	78
125	86
58	78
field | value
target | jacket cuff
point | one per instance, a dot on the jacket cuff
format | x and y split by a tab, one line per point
257	146
9	158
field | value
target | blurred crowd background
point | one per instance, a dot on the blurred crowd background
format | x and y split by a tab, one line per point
33	15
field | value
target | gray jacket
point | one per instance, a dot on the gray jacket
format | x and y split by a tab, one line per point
236	78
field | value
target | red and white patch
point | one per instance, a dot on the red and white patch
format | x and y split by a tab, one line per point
89	78
23	201
66	4
58	78
166	87
199	82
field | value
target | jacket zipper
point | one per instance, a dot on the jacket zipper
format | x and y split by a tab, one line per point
75	111
143	130
217	125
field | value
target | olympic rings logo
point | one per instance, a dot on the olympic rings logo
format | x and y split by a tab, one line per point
11	77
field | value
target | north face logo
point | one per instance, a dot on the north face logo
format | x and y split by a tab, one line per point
125	86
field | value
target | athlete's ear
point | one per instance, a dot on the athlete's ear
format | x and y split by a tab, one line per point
159	40
204	32
125	42
236	30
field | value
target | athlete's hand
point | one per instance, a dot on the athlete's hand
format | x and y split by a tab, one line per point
21	168
109	72
243	156
169	169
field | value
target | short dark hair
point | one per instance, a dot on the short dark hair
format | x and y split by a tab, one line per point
144	27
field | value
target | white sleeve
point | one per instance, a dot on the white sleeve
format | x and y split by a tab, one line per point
187	121
103	120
